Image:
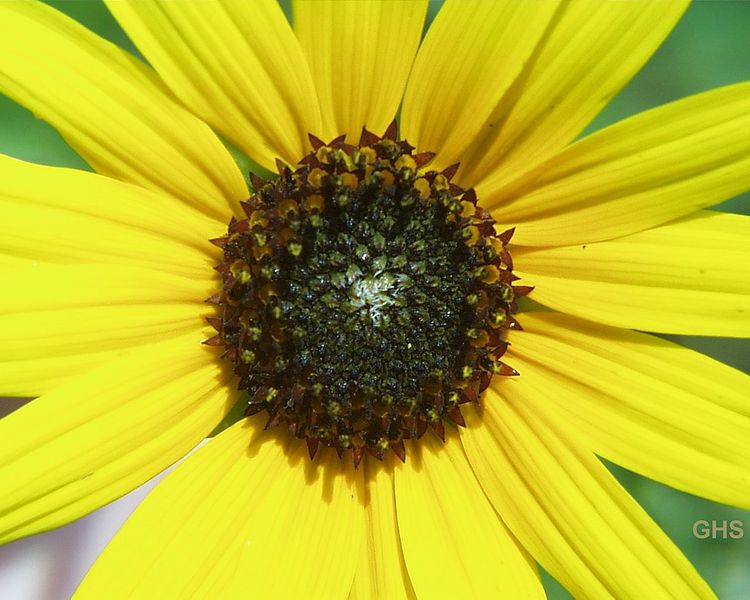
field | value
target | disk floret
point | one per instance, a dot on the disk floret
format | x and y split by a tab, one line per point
364	299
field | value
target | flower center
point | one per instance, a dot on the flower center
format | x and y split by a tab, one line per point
364	299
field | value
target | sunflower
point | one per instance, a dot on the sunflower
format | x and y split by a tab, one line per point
430	323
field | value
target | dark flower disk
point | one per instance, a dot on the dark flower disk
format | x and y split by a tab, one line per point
364	299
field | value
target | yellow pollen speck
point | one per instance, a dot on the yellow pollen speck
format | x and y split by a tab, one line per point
315	178
496	244
491	275
324	154
288	206
368	154
388	178
350	180
497	319
240	271
423	187
478	337
496	367
507	293
314	203
441	182
405	162
257	218
471	235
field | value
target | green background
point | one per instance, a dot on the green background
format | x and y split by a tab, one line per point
710	47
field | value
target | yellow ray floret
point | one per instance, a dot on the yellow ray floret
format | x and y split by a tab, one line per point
236	519
641	172
567	509
240	70
689	276
360	54
98	437
111	108
654	407
452	539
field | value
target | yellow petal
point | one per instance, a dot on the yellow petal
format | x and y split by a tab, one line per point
360	54
47	287
470	57
646	170
8	262
244	515
381	572
455	545
103	434
590	51
28	378
85	315
689	277
564	506
110	108
70	216
652	406
236	65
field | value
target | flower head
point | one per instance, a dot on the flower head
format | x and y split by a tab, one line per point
364	298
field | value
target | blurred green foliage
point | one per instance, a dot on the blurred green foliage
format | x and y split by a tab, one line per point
710	47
